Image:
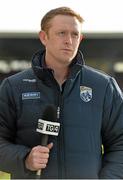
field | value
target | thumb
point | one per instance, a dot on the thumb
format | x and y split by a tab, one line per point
50	145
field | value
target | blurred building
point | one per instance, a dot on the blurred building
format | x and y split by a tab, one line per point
101	51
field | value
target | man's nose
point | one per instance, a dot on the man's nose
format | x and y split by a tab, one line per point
68	39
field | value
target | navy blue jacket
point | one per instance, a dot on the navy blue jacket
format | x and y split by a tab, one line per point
91	114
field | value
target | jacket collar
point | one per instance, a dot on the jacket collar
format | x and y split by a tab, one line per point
40	69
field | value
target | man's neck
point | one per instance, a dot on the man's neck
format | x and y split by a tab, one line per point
61	70
61	75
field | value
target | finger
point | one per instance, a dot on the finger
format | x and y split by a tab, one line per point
50	146
42	161
42	149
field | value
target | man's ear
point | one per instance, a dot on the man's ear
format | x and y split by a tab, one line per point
81	37
43	37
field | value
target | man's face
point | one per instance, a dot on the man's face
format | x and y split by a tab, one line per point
63	38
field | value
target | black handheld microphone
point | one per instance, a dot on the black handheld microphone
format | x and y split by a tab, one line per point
47	126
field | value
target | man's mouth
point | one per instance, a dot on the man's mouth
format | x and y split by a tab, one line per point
66	49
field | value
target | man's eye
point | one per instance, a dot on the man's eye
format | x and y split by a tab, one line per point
75	35
61	33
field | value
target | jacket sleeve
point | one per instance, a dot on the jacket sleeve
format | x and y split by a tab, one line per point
11	155
112	133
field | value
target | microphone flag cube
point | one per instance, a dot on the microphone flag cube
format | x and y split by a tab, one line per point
48	127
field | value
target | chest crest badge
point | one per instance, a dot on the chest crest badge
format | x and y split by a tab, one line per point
85	93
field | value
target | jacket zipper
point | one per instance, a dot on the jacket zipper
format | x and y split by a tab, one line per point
58	112
60	155
60	139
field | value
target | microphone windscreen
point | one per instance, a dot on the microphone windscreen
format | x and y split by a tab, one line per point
50	113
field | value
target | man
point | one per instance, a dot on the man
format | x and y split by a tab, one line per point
89	104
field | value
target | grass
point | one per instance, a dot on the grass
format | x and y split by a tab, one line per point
4	176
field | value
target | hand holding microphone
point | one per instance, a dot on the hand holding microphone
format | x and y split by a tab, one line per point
38	157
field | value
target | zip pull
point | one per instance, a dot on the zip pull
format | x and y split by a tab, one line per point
58	112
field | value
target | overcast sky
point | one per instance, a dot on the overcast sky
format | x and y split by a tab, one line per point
25	15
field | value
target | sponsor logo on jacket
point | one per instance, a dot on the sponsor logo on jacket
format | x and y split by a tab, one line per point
30	95
29	80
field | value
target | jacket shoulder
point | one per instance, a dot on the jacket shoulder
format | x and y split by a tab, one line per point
94	75
28	73
19	78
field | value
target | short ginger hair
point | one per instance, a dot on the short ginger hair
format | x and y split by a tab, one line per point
45	22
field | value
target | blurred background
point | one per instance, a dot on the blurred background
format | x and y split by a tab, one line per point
102	45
